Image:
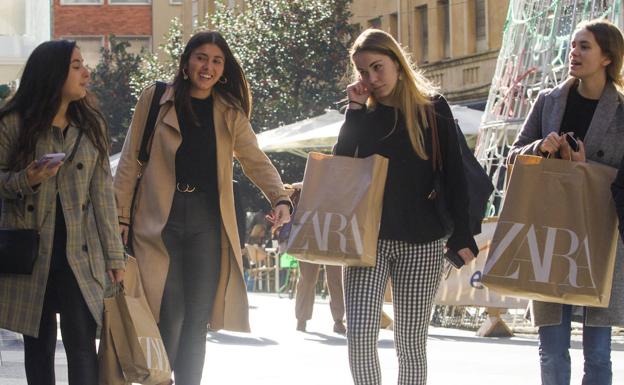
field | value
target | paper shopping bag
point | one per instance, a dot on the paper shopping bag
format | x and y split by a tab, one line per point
135	335
339	210
108	365
556	237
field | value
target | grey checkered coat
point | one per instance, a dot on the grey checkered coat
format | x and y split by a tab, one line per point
93	241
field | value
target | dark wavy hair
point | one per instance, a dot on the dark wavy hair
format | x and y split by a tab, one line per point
235	91
38	99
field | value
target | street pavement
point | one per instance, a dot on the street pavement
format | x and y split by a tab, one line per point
276	354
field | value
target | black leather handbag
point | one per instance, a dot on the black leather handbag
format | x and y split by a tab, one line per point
18	250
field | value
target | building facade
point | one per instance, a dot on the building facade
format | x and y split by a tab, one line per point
91	22
24	24
194	12
163	11
456	42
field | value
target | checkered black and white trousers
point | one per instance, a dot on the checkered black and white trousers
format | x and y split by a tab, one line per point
415	271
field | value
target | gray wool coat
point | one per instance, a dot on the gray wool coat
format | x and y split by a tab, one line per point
604	143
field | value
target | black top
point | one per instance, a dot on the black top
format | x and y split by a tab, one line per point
196	158
578	114
59	243
617	188
407	214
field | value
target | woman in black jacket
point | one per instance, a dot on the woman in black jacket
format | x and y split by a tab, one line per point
391	107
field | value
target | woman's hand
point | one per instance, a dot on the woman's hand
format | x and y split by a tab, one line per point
280	215
124	230
37	172
116	275
358	93
551	143
466	254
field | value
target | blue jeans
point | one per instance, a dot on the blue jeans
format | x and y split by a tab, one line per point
554	345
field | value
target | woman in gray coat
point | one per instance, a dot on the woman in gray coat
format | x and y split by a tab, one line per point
583	118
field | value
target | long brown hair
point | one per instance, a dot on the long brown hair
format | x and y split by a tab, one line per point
609	38
413	91
235	90
38	99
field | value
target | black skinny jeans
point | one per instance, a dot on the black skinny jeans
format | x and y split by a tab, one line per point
78	327
193	240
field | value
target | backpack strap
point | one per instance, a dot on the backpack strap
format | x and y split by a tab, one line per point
150	123
148	132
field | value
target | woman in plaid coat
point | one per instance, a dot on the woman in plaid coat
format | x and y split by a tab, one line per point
69	202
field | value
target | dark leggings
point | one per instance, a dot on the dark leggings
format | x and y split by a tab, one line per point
193	240
78	327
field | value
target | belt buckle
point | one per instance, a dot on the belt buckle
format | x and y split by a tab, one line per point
187	189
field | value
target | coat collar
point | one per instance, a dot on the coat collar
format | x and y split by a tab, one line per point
605	110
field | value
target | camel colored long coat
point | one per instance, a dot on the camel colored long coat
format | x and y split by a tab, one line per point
234	137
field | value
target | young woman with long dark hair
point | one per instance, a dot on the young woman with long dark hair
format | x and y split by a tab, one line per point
184	232
70	203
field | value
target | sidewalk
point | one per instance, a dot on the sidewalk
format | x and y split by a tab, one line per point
276	354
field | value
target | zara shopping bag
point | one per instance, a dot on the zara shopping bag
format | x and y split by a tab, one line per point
339	211
108	365
556	236
135	337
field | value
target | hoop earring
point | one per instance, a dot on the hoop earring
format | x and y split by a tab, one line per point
184	75
223	79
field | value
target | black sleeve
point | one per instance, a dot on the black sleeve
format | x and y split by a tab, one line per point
348	138
456	190
617	188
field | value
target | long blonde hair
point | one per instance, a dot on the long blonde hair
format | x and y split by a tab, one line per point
413	91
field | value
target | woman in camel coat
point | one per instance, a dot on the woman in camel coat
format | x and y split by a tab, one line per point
187	185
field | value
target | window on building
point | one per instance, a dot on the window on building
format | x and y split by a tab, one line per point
394	25
13	18
470	75
89	48
74	2
137	43
422	31
445	27
175	2
481	25
130	1
375	23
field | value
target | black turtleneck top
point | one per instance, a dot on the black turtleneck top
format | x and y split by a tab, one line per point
196	158
407	214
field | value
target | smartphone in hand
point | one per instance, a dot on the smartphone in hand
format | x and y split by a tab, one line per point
572	141
52	159
454	259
